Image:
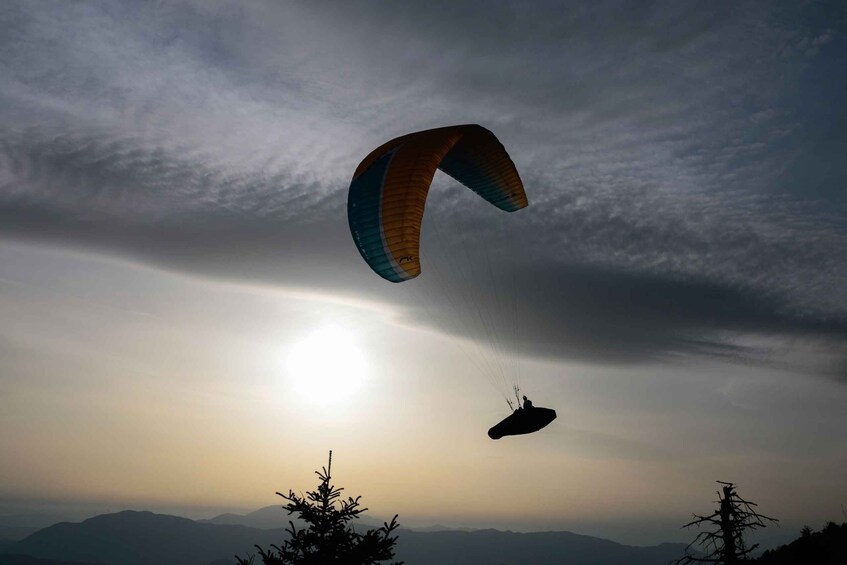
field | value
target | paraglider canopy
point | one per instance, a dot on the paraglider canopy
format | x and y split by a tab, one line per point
523	421
385	203
385	208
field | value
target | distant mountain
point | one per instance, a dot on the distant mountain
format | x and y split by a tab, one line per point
440	528
41	519
275	517
9	534
769	540
265	518
144	538
27	560
14	527
493	547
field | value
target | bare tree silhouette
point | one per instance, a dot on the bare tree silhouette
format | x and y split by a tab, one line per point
329	538
724	543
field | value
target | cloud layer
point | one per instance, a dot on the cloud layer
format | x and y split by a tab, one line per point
682	160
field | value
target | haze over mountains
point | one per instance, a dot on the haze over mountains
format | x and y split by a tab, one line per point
270	517
275	517
144	538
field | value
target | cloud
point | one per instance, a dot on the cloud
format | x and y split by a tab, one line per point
679	202
617	316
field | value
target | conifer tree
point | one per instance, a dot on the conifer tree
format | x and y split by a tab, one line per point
329	538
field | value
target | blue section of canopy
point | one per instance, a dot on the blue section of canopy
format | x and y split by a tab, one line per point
364	216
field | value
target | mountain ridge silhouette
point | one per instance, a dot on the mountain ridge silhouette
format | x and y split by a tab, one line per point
144	538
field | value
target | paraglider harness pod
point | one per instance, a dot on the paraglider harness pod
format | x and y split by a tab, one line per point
523	420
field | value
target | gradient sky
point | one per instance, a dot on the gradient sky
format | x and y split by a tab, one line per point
173	181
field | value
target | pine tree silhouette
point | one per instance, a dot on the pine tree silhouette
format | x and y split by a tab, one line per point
329	538
826	547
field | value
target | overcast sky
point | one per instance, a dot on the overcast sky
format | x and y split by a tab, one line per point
173	181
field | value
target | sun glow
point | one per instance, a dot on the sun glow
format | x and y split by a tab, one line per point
327	367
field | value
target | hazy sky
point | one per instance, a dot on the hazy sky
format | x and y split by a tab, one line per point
173	244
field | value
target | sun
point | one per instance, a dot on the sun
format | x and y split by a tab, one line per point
326	367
